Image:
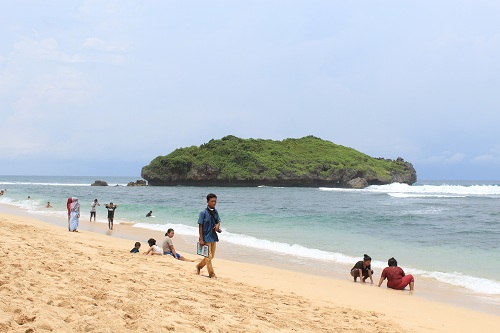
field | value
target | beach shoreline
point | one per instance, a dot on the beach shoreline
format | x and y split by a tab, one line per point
391	309
427	289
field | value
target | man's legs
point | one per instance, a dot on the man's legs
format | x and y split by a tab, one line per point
211	255
208	260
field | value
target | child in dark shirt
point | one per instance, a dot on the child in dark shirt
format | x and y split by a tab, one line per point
136	248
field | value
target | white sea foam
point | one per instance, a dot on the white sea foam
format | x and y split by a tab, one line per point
400	190
413	195
180	229
475	284
478	285
267	186
42	184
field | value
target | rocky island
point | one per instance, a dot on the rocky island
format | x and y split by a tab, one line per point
304	162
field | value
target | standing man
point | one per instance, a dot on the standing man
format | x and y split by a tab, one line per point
111	214
93	209
209	226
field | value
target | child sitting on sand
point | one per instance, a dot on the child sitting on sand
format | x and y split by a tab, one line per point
137	245
154	249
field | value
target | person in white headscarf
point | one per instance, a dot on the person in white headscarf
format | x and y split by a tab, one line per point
74	215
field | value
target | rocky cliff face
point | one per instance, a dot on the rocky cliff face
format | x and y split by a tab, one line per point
344	178
238	162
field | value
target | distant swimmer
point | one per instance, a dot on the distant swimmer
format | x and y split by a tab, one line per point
150	214
48	205
2	192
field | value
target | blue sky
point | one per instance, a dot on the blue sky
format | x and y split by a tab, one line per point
103	87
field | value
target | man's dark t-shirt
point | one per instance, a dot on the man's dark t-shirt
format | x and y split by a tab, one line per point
111	211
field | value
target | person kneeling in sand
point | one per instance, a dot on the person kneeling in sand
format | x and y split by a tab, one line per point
168	246
363	269
396	278
153	248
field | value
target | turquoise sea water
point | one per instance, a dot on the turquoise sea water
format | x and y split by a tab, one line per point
446	231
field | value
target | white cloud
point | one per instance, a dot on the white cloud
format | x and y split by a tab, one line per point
444	158
44	49
94	43
484	158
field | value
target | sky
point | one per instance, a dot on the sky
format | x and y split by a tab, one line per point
102	87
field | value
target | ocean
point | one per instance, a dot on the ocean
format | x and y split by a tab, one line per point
447	231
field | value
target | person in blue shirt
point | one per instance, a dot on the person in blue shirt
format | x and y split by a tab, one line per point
136	248
208	227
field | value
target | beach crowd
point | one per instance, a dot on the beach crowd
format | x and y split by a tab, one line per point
208	229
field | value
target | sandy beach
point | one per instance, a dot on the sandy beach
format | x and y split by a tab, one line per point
56	281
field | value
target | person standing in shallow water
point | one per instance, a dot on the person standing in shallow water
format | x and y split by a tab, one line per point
111	214
93	207
208	227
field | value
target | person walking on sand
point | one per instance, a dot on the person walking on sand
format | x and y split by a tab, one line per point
93	207
208	227
396	278
75	215
168	246
111	214
363	269
68	206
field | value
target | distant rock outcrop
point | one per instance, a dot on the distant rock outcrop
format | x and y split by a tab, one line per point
308	161
138	182
357	183
99	183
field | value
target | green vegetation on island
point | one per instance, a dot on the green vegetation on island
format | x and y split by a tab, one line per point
308	161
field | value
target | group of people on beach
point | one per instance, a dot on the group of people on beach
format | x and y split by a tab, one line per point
73	207
208	228
396	277
167	247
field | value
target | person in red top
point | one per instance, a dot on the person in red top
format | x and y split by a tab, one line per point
396	278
